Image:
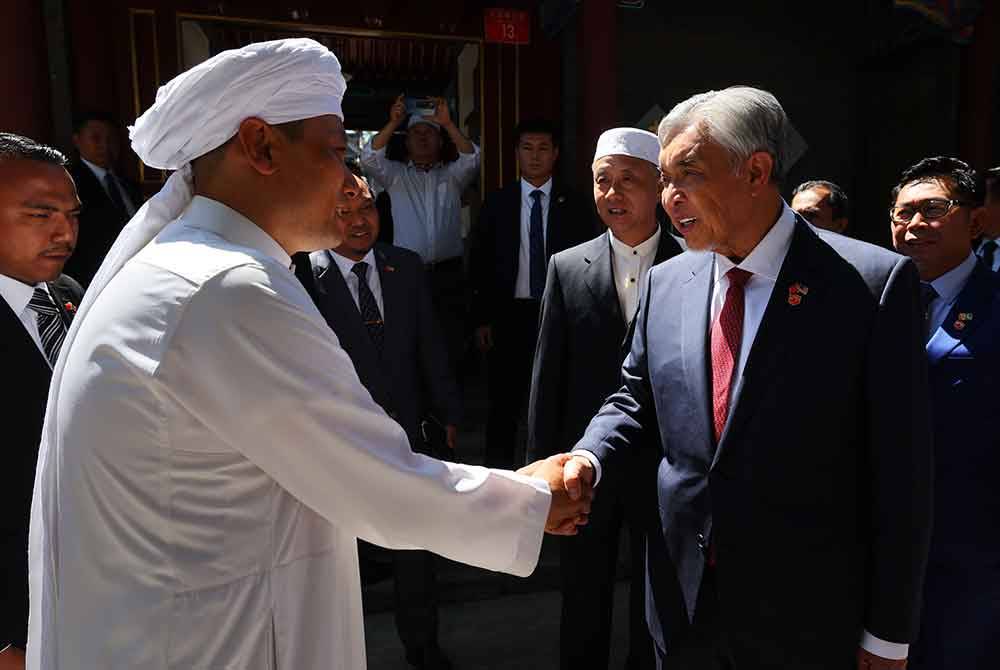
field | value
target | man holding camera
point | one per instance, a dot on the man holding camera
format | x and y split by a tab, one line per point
426	196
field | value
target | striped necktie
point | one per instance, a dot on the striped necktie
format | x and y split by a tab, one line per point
51	329
368	307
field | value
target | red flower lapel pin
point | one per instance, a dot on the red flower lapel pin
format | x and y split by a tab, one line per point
796	292
70	307
962	318
389	268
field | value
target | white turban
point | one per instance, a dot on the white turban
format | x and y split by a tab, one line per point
197	111
628	142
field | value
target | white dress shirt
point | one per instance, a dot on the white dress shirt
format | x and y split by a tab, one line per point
101	173
216	457
18	295
948	286
996	253
765	261
630	265
322	260
522	284
426	204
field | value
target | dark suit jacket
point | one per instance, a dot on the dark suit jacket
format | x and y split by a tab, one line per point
961	621
581	344
817	499
100	221
23	409
413	375
497	243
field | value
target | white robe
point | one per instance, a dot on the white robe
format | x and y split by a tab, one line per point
215	458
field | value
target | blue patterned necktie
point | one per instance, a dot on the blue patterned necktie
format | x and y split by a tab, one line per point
927	296
51	329
988	252
368	307
537	246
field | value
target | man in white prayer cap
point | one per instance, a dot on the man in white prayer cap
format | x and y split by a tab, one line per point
591	296
209	454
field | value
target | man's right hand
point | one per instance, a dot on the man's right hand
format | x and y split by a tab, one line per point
12	658
565	513
484	338
398	111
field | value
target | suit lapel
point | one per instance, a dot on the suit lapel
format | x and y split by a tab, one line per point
971	308
600	279
338	306
781	319
554	232
696	300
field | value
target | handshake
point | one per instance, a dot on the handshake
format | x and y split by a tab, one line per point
571	481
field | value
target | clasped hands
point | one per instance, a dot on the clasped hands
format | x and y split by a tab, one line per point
571	481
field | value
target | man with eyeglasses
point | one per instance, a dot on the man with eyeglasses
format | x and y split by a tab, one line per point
988	245
936	213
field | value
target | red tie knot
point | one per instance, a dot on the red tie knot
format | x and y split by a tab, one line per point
738	277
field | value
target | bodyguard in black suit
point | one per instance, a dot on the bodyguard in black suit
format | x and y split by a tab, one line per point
779	383
109	199
376	299
936	214
590	298
38	225
520	227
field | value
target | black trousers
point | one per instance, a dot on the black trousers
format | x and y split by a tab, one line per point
515	331
416	599
587	562
702	645
449	294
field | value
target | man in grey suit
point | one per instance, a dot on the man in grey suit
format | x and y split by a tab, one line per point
590	298
779	384
375	298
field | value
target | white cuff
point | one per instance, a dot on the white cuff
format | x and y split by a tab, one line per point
891	650
589	455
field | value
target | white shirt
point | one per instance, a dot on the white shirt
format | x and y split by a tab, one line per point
765	261
18	295
426	204
996	253
100	173
215	458
948	286
322	259
630	265
522	283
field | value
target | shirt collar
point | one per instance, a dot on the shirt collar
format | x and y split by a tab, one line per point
951	283
17	293
346	265
213	216
766	258
643	249
98	171
527	187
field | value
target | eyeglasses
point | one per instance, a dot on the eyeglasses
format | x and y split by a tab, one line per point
930	209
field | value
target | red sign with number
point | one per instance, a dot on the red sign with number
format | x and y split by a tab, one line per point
508	26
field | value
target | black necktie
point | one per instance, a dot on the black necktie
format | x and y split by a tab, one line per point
988	252
370	313
111	184
927	296
537	245
51	329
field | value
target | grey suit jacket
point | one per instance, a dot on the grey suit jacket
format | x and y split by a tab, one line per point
412	377
582	341
817	499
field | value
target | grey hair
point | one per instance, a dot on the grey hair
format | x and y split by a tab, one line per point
741	119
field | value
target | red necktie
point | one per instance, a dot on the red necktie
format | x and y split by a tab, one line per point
727	333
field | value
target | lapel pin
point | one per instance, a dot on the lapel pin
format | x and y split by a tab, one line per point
389	268
70	307
561	199
794	299
965	316
795	293
959	325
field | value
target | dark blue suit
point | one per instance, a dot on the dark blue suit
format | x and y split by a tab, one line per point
817	499
960	626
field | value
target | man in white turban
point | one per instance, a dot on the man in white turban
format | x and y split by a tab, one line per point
209	455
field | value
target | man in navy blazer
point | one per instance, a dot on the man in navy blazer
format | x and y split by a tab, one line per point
388	327
936	214
779	376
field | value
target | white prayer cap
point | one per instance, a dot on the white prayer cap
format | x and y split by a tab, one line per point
202	108
417	117
628	142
